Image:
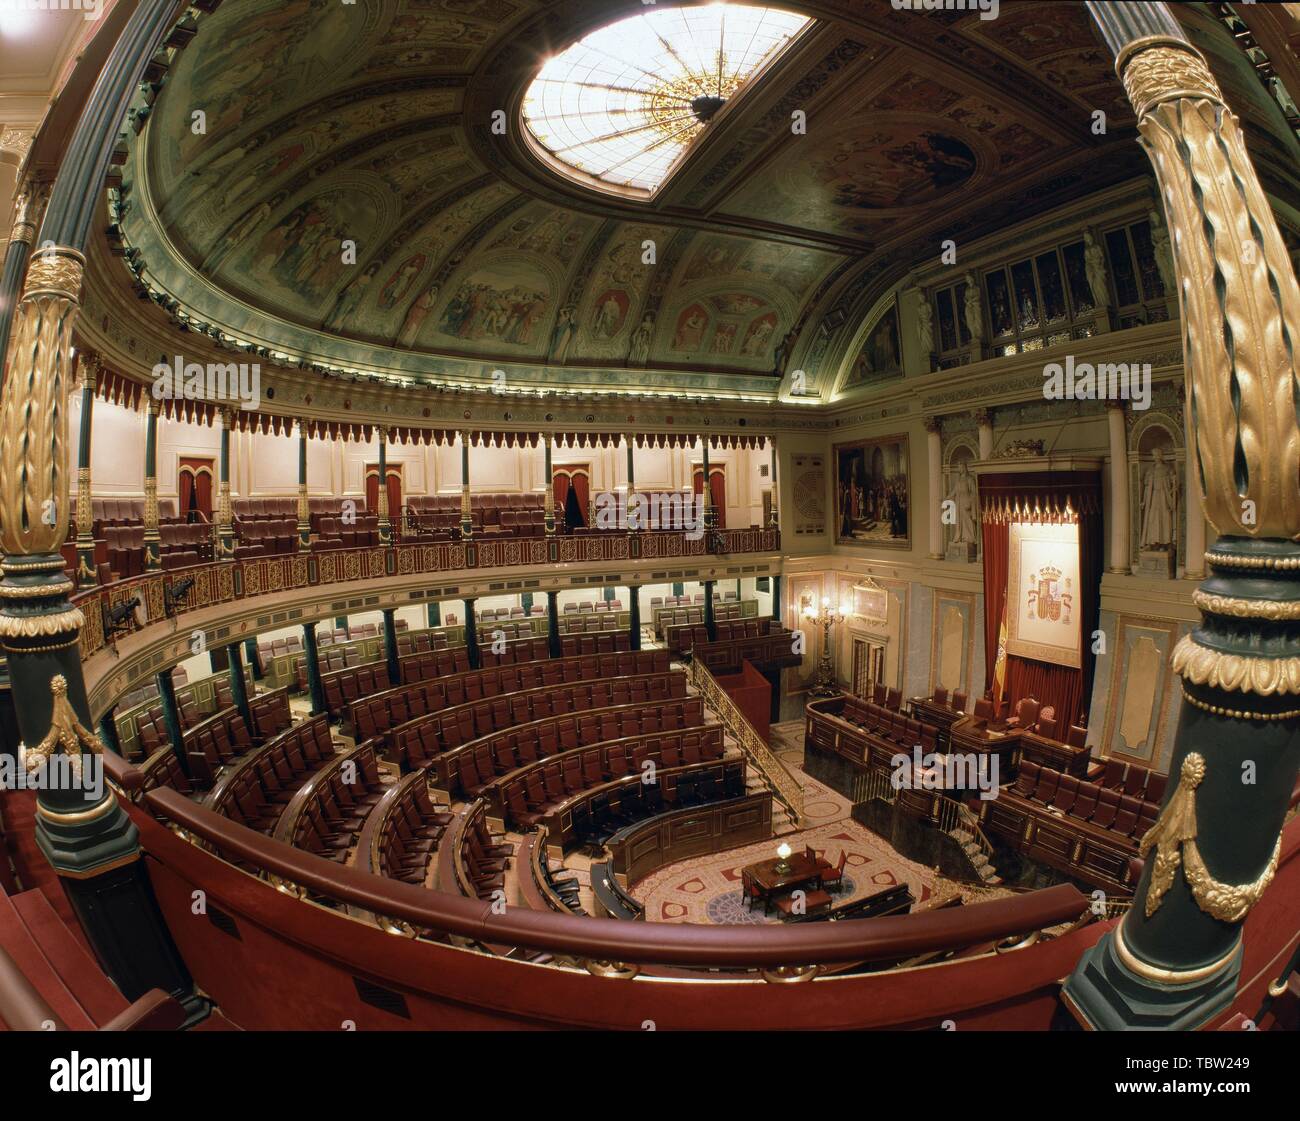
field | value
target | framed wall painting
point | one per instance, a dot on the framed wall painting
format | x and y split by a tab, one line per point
873	493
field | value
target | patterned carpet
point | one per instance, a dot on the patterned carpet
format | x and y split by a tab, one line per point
821	805
708	890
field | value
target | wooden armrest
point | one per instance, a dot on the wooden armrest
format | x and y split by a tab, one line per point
155	1011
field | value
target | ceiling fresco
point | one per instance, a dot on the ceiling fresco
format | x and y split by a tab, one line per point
369	124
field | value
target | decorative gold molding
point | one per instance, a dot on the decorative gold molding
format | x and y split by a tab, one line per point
1234	560
1241	672
1238	714
85	507
1158	69
66	731
1271	609
1173	836
40	626
1167	976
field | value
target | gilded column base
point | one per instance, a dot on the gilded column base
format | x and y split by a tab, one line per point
1111	989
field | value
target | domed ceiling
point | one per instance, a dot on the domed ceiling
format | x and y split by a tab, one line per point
396	126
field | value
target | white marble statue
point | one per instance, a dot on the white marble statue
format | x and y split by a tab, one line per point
925	326
1163	252
965	496
641	337
1159	504
974	314
1094	263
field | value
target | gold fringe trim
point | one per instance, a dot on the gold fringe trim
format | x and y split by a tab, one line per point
1242	672
1174	838
41	626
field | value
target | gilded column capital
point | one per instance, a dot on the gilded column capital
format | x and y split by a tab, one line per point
933	423
983	418
1158	69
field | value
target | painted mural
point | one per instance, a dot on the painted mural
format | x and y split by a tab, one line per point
505	304
873	493
880	356
325	122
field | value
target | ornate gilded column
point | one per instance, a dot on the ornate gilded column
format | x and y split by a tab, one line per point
1120	518
1174	960
385	524
80	826
224	530
466	523
710	514
304	507
1194	561
631	484
27	209
548	504
88	370
984	427
934	466
774	519
152	537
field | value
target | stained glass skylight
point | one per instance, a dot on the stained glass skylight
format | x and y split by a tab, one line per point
625	103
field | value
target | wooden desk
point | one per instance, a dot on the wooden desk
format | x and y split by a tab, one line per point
977	736
929	712
775	877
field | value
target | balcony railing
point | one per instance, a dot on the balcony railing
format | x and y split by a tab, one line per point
229	581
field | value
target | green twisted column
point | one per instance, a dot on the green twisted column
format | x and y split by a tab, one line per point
1175	959
553	623
152	537
390	647
471	636
634	611
304	507
86	577
710	624
311	656
238	683
381	501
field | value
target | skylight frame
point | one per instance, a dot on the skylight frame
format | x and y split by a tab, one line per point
602	76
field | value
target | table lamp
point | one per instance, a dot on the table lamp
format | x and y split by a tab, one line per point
783	852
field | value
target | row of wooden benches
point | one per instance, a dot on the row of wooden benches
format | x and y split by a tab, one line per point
390	710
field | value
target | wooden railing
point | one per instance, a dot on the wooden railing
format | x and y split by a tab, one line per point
229	581
785	788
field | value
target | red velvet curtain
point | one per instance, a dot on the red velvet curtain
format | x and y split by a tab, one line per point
996	535
1065	688
717	491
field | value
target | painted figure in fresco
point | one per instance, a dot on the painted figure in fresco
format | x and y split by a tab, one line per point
609	317
351	296
641	338
759	334
397	285
783	349
415	317
1159	503
563	334
690	330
